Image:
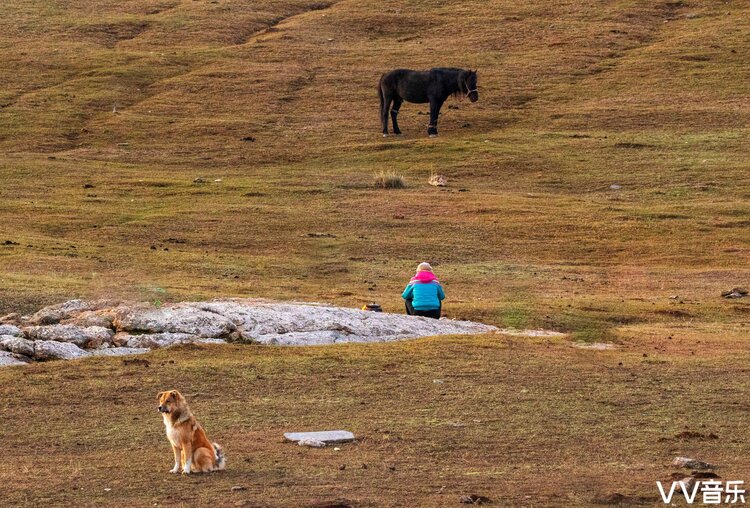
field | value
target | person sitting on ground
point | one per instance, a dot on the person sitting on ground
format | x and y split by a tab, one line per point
424	293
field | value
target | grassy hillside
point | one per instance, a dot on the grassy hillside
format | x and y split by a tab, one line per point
137	101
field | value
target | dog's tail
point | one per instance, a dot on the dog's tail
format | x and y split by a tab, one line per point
221	461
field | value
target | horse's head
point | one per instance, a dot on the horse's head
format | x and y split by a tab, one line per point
469	85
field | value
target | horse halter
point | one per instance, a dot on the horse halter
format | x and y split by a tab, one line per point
466	84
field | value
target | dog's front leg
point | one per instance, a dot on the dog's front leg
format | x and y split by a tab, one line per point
177	454
187	450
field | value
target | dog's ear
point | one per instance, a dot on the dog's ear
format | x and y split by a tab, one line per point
177	395
159	396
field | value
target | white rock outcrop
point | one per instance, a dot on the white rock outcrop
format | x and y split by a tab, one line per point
78	329
302	324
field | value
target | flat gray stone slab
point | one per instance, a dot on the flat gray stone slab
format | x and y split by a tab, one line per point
326	436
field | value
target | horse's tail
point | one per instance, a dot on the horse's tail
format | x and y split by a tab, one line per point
380	94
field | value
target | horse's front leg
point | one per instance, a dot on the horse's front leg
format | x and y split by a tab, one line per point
435	106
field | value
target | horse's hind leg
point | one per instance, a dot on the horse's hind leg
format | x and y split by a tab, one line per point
384	107
397	101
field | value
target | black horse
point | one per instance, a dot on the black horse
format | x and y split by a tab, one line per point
433	86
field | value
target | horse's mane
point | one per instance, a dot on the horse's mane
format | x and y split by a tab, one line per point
452	72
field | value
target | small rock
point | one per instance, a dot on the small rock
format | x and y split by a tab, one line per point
92	318
90	337
326	436
17	345
55	313
689	463
9	359
237	488
437	180
735	293
474	499
615	186
12	330
320	235
53	350
199	180
13	318
45	317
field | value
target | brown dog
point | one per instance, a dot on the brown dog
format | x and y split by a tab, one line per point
192	449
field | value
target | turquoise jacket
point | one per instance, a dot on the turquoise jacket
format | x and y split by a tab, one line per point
424	296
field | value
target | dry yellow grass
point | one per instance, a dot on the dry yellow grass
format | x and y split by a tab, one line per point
389	180
524	422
